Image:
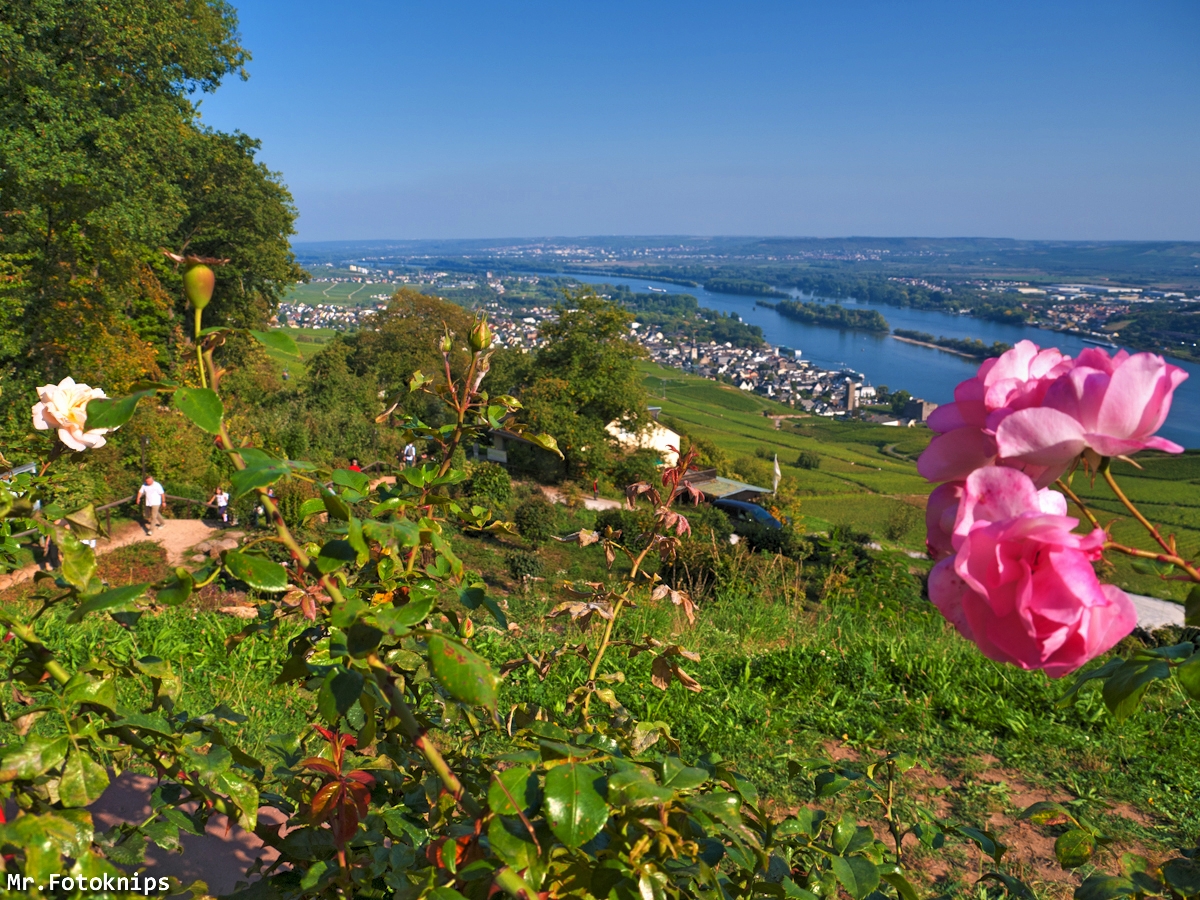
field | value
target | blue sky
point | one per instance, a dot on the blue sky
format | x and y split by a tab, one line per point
1008	119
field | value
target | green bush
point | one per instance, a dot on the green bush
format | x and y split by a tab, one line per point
640	465
534	519
808	460
523	565
491	482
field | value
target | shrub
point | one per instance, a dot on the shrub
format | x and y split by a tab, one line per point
640	465
523	565
534	519
491	482
808	460
902	520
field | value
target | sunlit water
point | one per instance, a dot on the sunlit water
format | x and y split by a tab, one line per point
923	372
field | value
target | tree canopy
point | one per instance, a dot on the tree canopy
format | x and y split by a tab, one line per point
102	165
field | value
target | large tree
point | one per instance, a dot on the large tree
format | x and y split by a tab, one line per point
103	164
585	376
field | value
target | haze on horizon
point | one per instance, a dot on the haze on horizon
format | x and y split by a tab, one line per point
1069	120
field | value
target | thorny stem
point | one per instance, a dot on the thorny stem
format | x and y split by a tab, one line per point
199	352
416	733
1170	555
1062	486
1116	489
608	626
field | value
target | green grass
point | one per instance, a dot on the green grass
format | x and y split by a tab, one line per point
866	462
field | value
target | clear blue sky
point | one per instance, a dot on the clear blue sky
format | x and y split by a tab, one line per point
1010	119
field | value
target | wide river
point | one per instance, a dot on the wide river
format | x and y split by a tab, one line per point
922	371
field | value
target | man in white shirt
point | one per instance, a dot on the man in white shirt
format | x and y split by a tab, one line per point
150	495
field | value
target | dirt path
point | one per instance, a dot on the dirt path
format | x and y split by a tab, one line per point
177	536
556	496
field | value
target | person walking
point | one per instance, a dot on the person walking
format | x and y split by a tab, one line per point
410	455
150	495
221	500
354	466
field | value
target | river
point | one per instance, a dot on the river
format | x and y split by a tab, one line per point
922	371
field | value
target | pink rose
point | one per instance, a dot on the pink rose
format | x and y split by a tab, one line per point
64	406
941	511
1017	379
1111	405
1020	584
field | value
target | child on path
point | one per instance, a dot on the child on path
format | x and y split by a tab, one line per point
221	499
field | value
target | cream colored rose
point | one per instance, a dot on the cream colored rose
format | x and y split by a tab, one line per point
64	406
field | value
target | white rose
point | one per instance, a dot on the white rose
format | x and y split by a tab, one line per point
64	406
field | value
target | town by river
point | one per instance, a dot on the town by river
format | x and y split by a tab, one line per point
922	371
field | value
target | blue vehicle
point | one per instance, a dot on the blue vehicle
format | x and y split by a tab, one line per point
744	515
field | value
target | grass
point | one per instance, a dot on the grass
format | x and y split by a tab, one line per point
839	657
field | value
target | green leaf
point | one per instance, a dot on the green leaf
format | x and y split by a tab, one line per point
311	507
465	675
114	412
511	842
806	822
986	841
1047	812
517	784
340	690
1191	607
313	875
334	555
176	589
573	807
1075	847
1183	875
257	476
857	875
1105	887
636	786
1189	676
1124	688
116	599
843	833
242	792
1014	886
276	340
335	507
85	688
78	560
83	780
356	481
680	777
202	406
362	638
904	890
1101	673
34	757
257	571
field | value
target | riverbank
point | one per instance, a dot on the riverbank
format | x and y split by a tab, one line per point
916	343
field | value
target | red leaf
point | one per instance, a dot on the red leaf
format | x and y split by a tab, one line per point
326	800
320	765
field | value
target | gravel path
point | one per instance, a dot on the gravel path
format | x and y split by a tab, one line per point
177	536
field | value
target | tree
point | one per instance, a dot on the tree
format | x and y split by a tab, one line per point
588	347
584	377
103	164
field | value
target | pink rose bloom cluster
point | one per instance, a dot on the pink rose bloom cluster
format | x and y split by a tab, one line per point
1013	577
